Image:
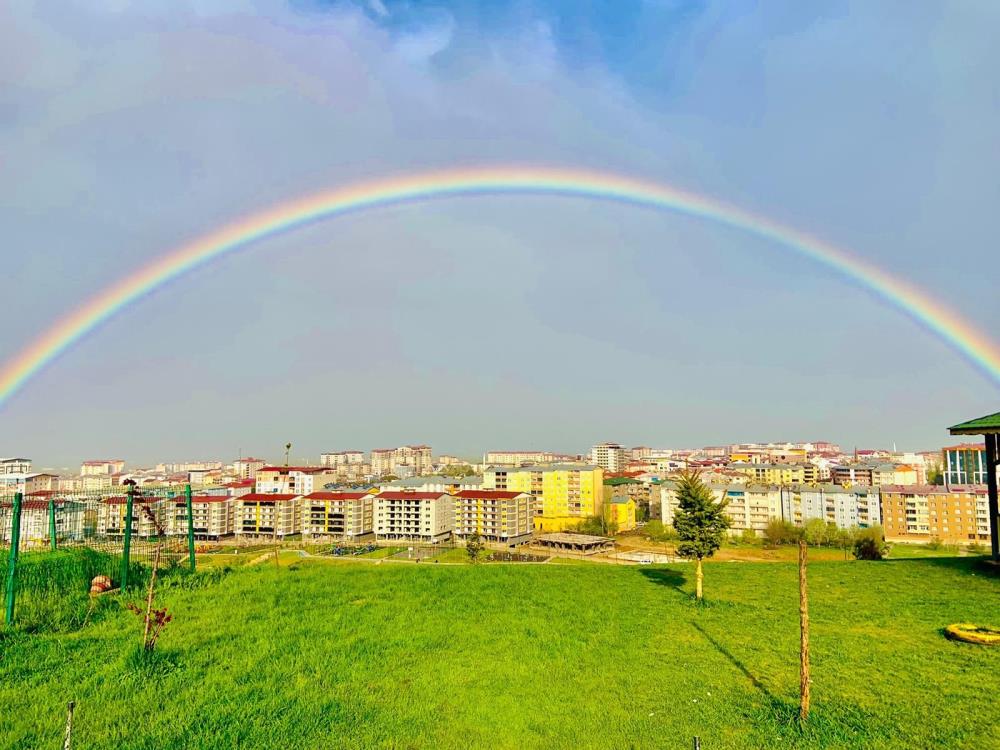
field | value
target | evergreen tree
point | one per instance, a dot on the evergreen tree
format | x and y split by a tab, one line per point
701	522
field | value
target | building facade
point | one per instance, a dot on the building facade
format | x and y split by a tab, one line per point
340	515
274	515
565	494
417	516
294	480
69	520
213	516
406	461
964	464
920	513
609	456
496	515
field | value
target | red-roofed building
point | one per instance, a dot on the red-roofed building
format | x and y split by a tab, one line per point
423	516
496	515
213	516
272	515
240	488
338	515
112	513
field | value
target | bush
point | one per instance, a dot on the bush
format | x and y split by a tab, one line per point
779	531
869	544
748	537
655	531
816	532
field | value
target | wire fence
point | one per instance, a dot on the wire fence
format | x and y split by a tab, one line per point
49	538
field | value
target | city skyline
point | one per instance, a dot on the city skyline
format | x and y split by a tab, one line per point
491	319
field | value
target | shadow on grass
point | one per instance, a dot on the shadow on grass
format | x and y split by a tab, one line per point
977	564
664	577
754	680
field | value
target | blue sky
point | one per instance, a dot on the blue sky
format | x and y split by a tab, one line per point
127	128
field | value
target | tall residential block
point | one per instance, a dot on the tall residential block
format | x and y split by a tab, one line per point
504	516
609	456
565	494
272	515
919	513
419	516
341	515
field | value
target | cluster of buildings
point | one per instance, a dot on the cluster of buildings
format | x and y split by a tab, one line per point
407	492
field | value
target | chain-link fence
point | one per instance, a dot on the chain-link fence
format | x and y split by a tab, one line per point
51	540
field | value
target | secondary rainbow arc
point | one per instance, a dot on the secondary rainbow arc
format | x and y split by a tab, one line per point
952	328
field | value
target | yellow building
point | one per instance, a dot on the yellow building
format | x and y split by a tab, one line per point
778	473
621	513
565	494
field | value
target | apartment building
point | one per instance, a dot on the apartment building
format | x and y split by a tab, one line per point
873	474
294	480
247	468
69	518
609	456
419	516
565	494
406	461
341	458
918	513
27	484
750	507
846	507
102	467
433	483
767	473
112	513
213	516
15	465
964	464
517	458
341	515
501	516
274	515
620	511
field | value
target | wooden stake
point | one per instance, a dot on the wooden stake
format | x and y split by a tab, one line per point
804	627
68	741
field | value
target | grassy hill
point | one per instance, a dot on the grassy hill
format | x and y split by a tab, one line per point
326	655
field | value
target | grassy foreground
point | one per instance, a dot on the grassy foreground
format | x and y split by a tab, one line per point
419	656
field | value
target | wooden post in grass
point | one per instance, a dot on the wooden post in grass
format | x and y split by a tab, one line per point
804	628
68	740
15	542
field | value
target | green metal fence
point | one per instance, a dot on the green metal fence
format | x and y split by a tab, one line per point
111	533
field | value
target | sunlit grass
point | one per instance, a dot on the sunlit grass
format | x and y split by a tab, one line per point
314	655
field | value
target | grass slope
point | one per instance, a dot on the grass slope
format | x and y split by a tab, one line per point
422	656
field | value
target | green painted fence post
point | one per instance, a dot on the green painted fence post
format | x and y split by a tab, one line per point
190	514
127	544
52	523
15	542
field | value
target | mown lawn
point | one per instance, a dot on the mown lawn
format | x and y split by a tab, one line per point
524	656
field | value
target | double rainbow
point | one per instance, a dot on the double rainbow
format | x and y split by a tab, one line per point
948	325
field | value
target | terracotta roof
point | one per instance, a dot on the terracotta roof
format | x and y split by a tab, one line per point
934	489
411	495
195	499
336	496
488	494
302	469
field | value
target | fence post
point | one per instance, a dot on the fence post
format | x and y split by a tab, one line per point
52	523
190	515
15	542
127	543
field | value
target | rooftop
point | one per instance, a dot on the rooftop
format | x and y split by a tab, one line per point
988	425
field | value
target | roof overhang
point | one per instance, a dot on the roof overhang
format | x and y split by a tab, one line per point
988	425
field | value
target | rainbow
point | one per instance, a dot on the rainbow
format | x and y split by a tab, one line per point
948	325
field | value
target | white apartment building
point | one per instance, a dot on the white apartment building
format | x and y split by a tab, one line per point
751	507
845	507
102	467
418	516
247	468
517	458
341	515
496	515
433	483
294	480
27	484
35	520
15	465
272	515
213	516
408	460
341	458
609	456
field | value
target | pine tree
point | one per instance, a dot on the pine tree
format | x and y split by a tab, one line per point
701	522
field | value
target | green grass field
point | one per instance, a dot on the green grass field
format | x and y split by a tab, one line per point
523	656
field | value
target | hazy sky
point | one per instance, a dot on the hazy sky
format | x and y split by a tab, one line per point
509	322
